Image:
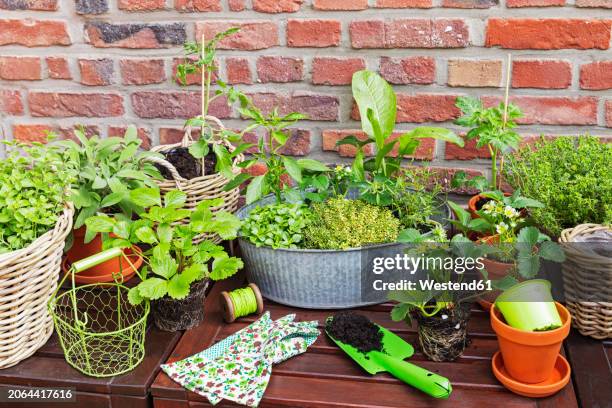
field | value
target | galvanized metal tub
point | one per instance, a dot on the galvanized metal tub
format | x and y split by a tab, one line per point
314	278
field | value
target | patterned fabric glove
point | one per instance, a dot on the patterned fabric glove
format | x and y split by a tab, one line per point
239	368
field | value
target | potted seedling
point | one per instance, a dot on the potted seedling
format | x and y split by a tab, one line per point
107	172
177	270
348	213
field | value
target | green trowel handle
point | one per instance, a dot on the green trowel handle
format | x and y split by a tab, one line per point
426	381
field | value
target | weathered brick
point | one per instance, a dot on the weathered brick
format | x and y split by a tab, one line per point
315	106
329	138
175	105
313	33
105	35
594	3
58	68
141	5
56	104
548	34
31	133
470	4
404	3
553	110
190	79
409	70
142	71
335	71
469	152
608	108
67	132
277	6
367	34
279	69
34	33
173	135
143	133
197	5
545	74
298	143
596	75
534	3
340	4
96	72
474	73
426	108
91	6
254	35
10	102
238	71
237	5
38	5
20	68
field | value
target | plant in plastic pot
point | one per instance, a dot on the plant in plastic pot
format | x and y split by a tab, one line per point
442	314
107	170
177	270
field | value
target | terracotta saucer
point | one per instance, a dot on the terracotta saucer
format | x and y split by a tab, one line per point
558	380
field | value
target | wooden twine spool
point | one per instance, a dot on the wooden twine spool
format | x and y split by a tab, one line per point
231	312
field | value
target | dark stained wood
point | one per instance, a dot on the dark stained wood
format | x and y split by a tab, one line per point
325	377
592	373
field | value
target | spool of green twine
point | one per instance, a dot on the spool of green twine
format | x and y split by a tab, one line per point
241	302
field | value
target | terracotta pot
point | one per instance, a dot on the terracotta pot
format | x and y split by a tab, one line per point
112	268
474	200
497	270
530	357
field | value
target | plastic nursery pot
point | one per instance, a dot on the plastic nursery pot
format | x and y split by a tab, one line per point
443	337
112	268
174	315
530	357
529	306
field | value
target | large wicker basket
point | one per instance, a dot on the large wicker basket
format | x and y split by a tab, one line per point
587	274
28	279
205	187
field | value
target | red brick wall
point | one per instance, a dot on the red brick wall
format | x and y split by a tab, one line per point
106	64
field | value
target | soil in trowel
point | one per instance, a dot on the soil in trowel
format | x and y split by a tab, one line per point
356	330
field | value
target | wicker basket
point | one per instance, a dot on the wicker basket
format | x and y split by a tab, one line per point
28	279
585	273
202	188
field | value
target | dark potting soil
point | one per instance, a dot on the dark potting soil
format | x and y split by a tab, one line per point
481	202
356	330
173	315
187	166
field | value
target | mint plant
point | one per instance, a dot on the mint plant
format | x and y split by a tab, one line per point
34	187
173	262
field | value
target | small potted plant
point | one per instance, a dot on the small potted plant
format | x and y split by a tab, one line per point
108	171
442	315
177	270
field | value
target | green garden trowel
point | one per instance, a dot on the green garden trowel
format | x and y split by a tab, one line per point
391	360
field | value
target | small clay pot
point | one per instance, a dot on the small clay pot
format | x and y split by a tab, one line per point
443	337
530	357
174	315
115	270
473	205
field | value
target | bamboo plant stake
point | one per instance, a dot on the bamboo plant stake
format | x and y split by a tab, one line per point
506	100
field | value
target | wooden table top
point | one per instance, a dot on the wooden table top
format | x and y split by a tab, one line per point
325	377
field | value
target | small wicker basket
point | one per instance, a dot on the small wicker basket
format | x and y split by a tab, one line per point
28	279
586	273
205	187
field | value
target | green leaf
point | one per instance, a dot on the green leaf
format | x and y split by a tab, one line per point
505	283
175	199
146	235
255	189
312	165
371	91
223	268
100	223
410	235
178	288
199	149
237	181
145	197
112	199
427	132
122	229
528	265
165	233
226	225
134	296
194	272
551	251
98	183
524	202
165	266
479	225
528	236
399	312
153	288
293	168
462	215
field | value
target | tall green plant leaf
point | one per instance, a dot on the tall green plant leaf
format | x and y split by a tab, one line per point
372	92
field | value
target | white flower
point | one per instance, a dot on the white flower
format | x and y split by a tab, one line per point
510	212
501	228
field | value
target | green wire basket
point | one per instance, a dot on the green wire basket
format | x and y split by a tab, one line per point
101	333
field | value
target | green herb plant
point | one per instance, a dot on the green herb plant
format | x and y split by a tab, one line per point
173	261
570	176
107	170
276	225
340	224
34	186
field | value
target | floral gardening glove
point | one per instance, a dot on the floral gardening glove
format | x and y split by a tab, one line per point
239	367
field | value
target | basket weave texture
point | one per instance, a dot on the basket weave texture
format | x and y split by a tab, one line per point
586	273
28	279
205	187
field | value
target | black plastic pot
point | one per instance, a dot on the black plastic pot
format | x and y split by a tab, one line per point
174	315
443	337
